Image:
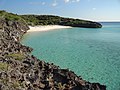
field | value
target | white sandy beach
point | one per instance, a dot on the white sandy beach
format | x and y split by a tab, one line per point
46	28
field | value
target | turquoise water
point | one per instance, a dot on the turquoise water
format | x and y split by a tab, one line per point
93	54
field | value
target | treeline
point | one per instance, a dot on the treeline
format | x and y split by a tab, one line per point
56	20
34	20
42	19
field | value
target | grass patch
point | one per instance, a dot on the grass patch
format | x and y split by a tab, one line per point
17	56
3	66
16	84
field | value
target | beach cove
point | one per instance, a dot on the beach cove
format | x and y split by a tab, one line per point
91	53
19	69
60	45
46	28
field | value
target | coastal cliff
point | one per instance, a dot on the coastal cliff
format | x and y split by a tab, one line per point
21	71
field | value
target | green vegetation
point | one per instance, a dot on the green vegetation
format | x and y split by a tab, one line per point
49	20
3	66
16	56
56	20
42	19
15	84
10	16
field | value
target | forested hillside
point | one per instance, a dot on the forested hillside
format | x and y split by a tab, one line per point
56	20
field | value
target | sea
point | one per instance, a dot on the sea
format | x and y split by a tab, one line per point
92	53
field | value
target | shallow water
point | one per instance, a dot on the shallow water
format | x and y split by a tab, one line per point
93	54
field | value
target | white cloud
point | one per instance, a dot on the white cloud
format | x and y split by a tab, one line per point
54	3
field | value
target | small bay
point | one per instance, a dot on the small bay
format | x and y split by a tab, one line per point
91	53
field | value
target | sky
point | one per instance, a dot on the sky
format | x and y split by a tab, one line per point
96	10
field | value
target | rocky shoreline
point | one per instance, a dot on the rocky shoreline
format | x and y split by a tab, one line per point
21	71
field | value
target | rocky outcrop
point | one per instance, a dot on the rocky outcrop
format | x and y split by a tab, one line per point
21	71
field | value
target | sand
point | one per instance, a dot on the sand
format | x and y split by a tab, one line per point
46	28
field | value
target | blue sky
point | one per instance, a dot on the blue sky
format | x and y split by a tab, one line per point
97	10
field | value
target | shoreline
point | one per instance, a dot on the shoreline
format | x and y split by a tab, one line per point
19	69
46	28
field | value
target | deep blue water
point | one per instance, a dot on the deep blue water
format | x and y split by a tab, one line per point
93	54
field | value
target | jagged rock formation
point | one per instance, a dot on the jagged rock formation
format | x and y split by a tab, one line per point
21	71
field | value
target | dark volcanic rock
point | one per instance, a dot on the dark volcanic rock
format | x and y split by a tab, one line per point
21	71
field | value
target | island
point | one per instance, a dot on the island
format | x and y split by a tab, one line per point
19	70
